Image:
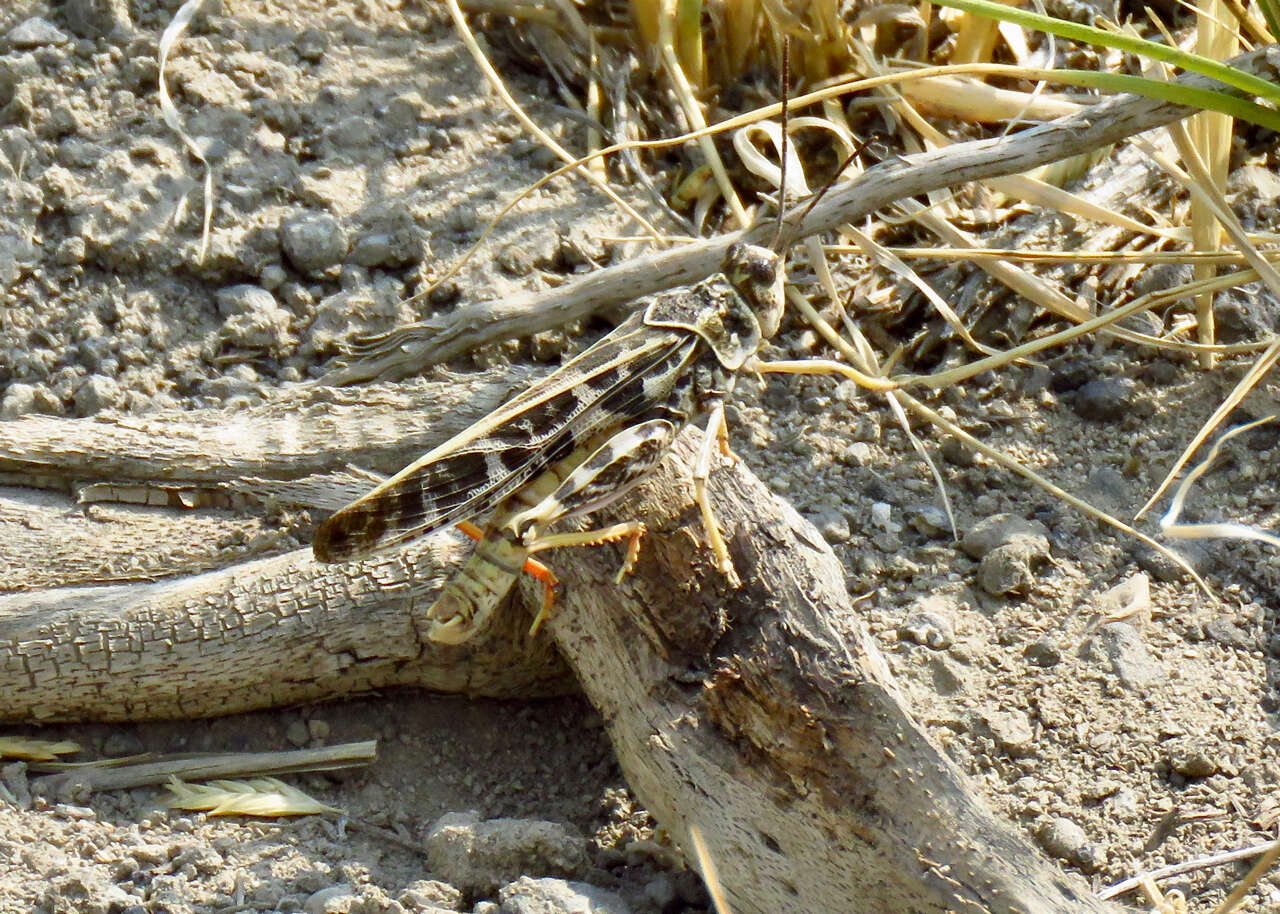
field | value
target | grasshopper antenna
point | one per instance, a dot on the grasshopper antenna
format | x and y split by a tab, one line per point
782	176
822	192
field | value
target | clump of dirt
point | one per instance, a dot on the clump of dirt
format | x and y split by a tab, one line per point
1096	696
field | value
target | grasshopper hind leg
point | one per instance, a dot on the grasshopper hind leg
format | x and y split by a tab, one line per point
714	436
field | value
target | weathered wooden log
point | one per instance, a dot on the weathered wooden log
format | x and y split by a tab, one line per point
761	715
261	634
765	717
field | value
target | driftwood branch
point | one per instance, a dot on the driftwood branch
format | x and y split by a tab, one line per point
762	715
412	348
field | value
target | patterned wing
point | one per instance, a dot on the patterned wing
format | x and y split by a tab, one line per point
478	468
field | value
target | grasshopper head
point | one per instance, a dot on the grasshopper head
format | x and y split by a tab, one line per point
757	274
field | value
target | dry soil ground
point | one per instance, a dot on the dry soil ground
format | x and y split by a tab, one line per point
353	141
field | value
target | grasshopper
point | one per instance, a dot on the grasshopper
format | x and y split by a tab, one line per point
573	443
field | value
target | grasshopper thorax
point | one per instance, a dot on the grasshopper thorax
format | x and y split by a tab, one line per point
736	322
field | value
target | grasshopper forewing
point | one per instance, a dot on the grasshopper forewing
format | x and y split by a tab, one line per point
573	442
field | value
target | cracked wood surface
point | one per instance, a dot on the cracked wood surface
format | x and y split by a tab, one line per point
763	716
177	635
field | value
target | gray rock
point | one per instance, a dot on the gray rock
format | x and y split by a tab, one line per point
514	260
1163	568
85	891
556	896
335	899
1012	732
1104	399
478	857
1063	838
1001	529
242	299
311	45
98	392
14	778
946	677
833	526
1120	645
373	250
857	454
97	18
19	400
428	895
1227	633
405	111
930	520
254	319
354	132
313	241
36	33
1043	652
1189	756
297	733
1009	568
661	892
929	627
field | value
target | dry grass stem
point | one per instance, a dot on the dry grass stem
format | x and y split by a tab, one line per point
36	750
117	774
172	33
1255	373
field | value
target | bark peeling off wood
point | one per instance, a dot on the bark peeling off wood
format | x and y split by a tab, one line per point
784	739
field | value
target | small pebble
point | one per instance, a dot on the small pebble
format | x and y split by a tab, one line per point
1012	732
1122	647
273	276
833	526
1189	756
857	454
931	629
1000	530
97	18
311	45
558	896
1063	838
19	400
1008	569
335	899
514	260
297	733
930	520
98	392
313	241
36	33
318	729
1043	652
373	250
1105	399
404	111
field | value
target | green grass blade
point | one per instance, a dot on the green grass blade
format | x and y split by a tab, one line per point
1192	96
1246	82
